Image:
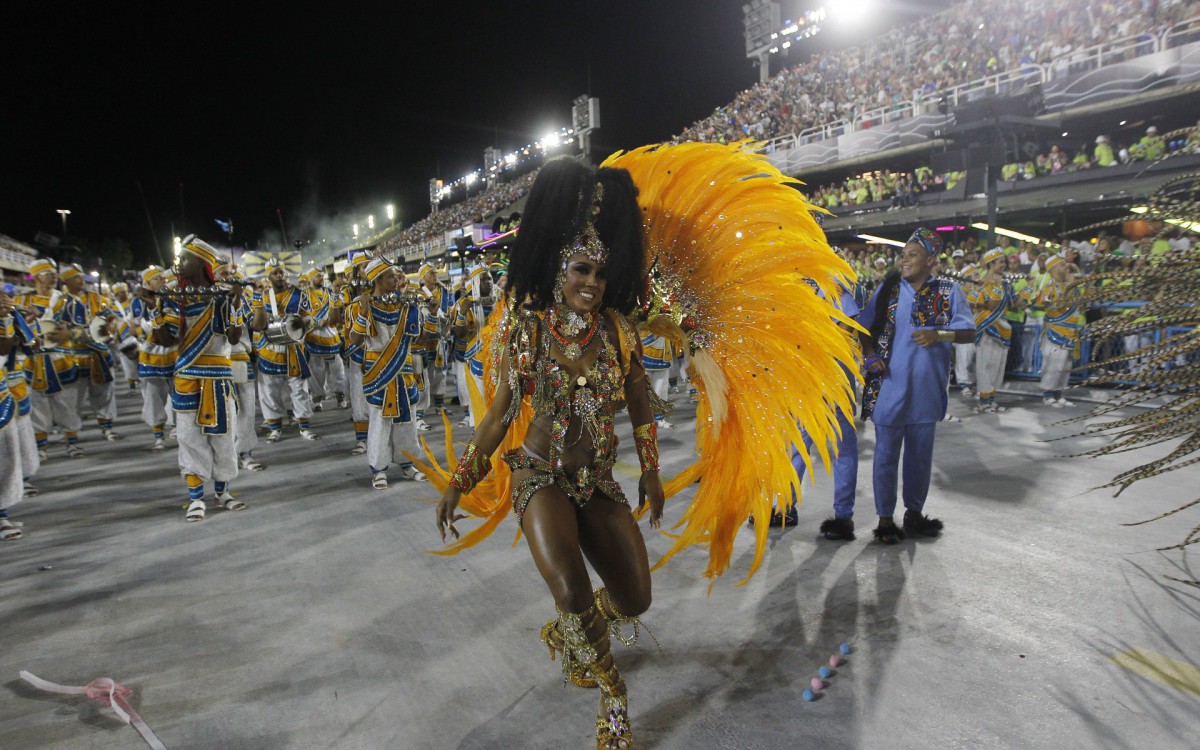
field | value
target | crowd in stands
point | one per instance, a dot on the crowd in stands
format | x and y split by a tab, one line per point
1105	153
969	41
900	189
474	209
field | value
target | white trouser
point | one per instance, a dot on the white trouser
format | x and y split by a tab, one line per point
210	457
245	438
679	371
359	410
460	384
660	382
56	408
128	367
431	376
989	364
327	375
386	441
100	398
964	364
12	488
1056	366
156	395
277	391
30	462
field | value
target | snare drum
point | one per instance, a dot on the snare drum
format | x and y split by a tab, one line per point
286	332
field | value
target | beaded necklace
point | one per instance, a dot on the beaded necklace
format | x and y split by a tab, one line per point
572	349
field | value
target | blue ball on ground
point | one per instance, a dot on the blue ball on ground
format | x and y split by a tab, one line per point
808	695
844	648
824	672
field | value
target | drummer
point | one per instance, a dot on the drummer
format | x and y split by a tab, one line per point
283	369
125	337
94	386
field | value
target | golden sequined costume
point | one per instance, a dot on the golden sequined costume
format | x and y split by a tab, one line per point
729	242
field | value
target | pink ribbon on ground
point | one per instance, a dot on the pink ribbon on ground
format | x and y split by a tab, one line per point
106	692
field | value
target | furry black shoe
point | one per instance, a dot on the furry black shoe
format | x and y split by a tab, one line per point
915	523
838	529
889	534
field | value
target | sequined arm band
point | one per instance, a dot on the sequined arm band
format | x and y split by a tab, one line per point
472	467
645	437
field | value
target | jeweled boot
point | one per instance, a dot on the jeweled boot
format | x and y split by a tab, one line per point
572	671
586	636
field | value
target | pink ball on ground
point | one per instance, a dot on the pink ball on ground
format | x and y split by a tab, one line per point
817	684
835	660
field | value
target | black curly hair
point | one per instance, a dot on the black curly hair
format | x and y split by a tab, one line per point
556	212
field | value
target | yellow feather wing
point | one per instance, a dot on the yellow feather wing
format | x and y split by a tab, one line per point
733	252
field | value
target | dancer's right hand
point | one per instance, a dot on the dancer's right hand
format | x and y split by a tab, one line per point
446	516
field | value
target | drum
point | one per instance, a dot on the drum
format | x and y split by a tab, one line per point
98	331
286	332
129	347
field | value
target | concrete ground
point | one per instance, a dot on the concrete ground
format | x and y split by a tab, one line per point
315	619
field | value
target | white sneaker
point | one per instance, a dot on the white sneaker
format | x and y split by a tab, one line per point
379	480
309	435
274	436
663	424
173	434
317	406
42	455
423	426
1062	401
967	392
951	418
411	473
343	403
1049	401
74	451
465	421
229	502
111	434
249	464
997	408
359	448
30	490
159	445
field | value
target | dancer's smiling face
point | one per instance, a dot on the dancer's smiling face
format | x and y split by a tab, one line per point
585	285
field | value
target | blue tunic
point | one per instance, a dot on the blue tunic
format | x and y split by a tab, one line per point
914	389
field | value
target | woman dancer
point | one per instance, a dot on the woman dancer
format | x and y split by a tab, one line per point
576	266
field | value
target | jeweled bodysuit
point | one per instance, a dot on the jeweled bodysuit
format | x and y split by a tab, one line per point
576	411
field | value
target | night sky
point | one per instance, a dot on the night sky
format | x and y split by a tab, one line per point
326	115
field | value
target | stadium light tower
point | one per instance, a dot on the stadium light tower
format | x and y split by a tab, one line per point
391	214
64	213
761	20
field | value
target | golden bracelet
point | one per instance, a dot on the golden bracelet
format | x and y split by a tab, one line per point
645	437
472	468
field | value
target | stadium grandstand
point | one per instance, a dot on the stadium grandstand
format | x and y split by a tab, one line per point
1041	116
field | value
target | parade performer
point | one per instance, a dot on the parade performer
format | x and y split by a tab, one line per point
49	369
1060	331
156	361
386	322
427	350
657	354
469	314
993	297
126	337
204	397
912	320
360	413
94	385
323	346
241	357
11	467
964	354
282	367
565	358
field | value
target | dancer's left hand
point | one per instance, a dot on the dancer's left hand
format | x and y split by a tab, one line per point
650	490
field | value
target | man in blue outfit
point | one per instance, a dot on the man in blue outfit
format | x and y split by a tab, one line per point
913	320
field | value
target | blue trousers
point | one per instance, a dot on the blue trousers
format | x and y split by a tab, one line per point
845	466
917	443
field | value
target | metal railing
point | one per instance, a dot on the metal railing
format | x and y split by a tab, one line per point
1106	53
